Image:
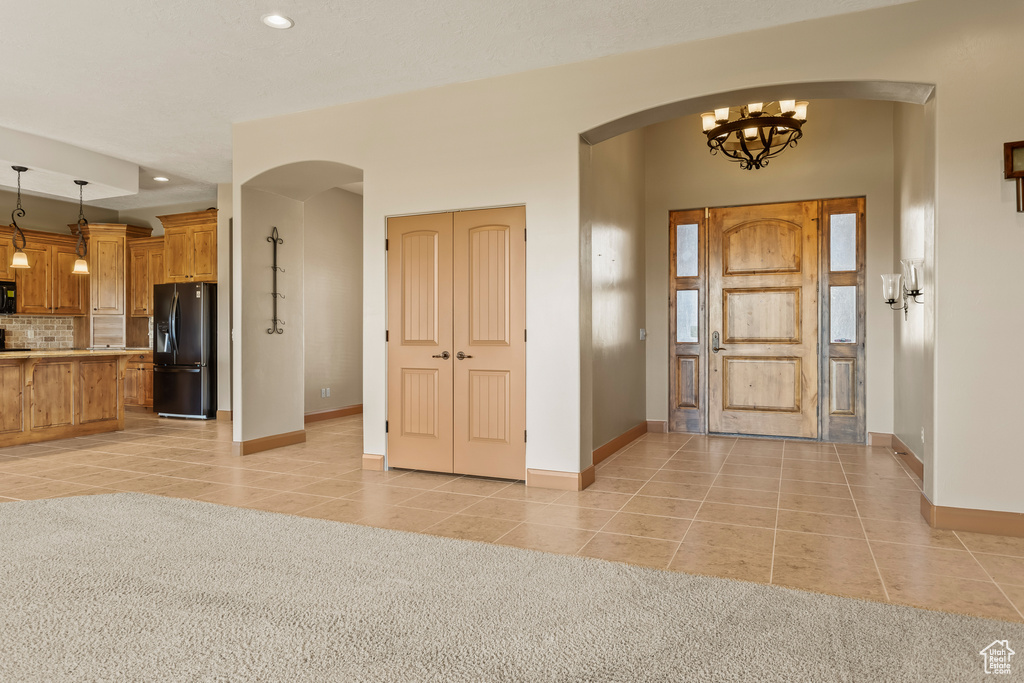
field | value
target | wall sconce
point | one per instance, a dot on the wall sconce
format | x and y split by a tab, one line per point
898	290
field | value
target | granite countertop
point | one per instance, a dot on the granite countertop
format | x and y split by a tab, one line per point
65	353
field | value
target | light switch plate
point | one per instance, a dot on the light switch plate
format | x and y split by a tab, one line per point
643	334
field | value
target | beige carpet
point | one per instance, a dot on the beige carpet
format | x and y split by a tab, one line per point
130	587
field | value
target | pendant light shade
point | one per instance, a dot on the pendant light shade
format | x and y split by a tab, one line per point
19	259
81	265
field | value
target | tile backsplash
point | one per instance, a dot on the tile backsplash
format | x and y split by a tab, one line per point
38	332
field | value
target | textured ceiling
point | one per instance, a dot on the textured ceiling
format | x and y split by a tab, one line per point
160	83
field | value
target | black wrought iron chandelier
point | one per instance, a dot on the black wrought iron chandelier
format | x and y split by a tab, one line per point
759	134
81	265
19	259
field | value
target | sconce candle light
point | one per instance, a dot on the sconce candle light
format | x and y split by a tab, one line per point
898	290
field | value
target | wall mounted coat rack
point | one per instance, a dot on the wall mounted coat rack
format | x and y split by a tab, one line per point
275	240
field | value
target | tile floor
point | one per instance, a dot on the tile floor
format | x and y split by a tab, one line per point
834	518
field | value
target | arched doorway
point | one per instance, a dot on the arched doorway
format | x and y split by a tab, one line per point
310	362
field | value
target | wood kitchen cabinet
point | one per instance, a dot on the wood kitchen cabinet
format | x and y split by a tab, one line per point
146	269
107	272
138	380
105	324
6	251
190	246
47	286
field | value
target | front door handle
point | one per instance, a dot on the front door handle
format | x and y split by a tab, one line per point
715	348
461	356
443	354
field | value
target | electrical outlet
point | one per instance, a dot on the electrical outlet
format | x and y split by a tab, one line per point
643	334
323	393
922	436
328	392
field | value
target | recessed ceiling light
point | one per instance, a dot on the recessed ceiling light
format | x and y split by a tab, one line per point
161	179
277	21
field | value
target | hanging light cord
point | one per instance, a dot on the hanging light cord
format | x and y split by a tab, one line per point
15	215
80	248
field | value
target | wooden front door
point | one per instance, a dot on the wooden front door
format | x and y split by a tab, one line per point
420	352
490	342
763	311
457	342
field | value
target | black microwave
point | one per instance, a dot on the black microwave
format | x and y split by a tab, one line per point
7	298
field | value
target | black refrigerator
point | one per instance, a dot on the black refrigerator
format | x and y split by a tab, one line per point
185	350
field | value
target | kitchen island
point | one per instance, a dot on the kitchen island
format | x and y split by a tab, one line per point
47	395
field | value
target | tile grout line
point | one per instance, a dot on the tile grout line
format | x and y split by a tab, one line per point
989	575
878	570
634	495
703	500
778	506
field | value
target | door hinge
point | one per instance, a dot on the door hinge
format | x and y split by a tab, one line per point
524	234
385	244
385	426
385	335
524	436
524	335
707	213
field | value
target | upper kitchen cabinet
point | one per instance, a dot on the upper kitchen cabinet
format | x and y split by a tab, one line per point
6	251
105	324
190	246
107	256
47	286
146	268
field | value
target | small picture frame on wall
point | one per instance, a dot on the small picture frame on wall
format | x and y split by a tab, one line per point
1013	160
1013	168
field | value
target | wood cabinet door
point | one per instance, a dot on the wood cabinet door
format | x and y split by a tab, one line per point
763	309
35	283
156	271
12	392
141	288
6	252
107	275
204	253
177	255
69	290
489	318
420	353
132	385
146	385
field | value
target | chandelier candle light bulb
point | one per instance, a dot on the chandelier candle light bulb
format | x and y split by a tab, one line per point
722	115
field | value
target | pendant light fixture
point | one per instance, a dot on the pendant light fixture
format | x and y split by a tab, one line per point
81	265
20	258
758	134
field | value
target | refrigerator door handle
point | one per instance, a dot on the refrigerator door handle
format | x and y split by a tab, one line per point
174	321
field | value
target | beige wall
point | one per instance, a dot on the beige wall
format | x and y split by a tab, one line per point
514	139
616	197
333	285
147	216
914	415
50	215
846	151
271	397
